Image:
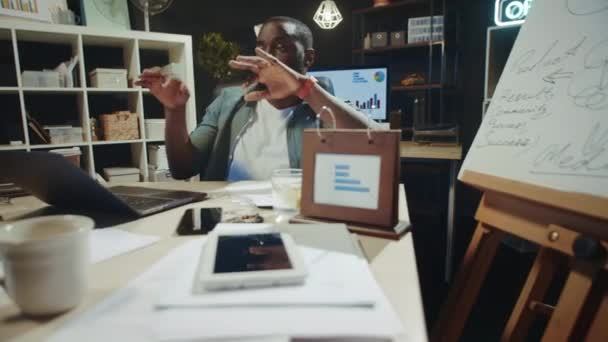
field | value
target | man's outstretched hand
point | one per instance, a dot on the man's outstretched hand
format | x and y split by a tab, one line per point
280	80
171	92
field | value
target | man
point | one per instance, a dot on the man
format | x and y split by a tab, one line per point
247	134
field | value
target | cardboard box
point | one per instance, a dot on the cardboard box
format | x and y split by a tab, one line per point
379	39
72	154
157	156
397	38
159	175
109	78
43	79
64	134
121	174
121	125
175	70
155	129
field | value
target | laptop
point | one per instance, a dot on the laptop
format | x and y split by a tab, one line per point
56	181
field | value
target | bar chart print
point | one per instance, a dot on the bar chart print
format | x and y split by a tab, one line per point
365	88
347	180
371	103
342	182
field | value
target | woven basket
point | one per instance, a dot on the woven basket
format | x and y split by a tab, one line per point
120	126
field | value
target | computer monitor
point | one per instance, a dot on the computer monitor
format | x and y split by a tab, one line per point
364	87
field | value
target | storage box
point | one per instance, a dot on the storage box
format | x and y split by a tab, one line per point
120	126
109	78
175	70
398	38
64	134
379	39
157	156
44	79
121	174
155	128
419	29
159	175
72	154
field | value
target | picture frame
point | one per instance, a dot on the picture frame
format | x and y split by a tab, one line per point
352	176
25	10
112	14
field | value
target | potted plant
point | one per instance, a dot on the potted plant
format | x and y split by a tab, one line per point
213	55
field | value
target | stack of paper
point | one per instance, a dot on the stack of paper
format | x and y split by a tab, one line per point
247	187
334	279
256	192
132	312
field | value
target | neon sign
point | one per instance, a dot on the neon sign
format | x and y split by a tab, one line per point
511	12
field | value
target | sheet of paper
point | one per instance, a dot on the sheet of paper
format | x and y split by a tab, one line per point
260	200
129	314
244	228
347	180
247	187
334	279
109	242
547	122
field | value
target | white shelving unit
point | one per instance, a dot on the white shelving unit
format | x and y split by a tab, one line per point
36	46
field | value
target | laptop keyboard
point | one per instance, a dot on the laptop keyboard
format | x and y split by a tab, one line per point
143	203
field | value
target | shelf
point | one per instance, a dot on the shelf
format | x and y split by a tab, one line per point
112	90
12	147
35	46
390	6
42	146
410	149
416	87
42	90
398	48
26	15
25	35
115	142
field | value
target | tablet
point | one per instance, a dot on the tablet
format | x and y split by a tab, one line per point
249	260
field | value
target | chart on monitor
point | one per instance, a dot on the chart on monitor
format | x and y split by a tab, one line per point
364	87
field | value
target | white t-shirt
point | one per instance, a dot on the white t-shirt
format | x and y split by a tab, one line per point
263	146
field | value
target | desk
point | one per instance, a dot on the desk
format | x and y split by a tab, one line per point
393	264
410	149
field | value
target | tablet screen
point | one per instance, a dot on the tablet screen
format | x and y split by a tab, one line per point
246	253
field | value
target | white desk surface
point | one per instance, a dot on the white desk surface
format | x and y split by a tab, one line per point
392	262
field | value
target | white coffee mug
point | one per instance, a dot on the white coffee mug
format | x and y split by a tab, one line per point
46	262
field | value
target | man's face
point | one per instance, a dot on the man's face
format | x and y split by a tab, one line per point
276	38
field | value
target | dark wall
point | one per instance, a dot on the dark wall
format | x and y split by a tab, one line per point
235	20
477	16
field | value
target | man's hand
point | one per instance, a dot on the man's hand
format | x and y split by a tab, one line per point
171	92
280	80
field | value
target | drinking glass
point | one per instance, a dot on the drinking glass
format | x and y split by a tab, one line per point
286	189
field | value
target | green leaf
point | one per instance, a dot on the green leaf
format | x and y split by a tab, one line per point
213	54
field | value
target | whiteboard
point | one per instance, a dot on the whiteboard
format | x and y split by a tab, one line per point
547	124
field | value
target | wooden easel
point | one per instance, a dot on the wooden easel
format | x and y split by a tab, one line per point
556	221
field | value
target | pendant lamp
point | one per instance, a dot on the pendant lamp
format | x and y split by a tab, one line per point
327	16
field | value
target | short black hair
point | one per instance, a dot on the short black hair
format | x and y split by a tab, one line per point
303	33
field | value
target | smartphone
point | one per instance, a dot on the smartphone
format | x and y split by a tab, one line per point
199	221
250	260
